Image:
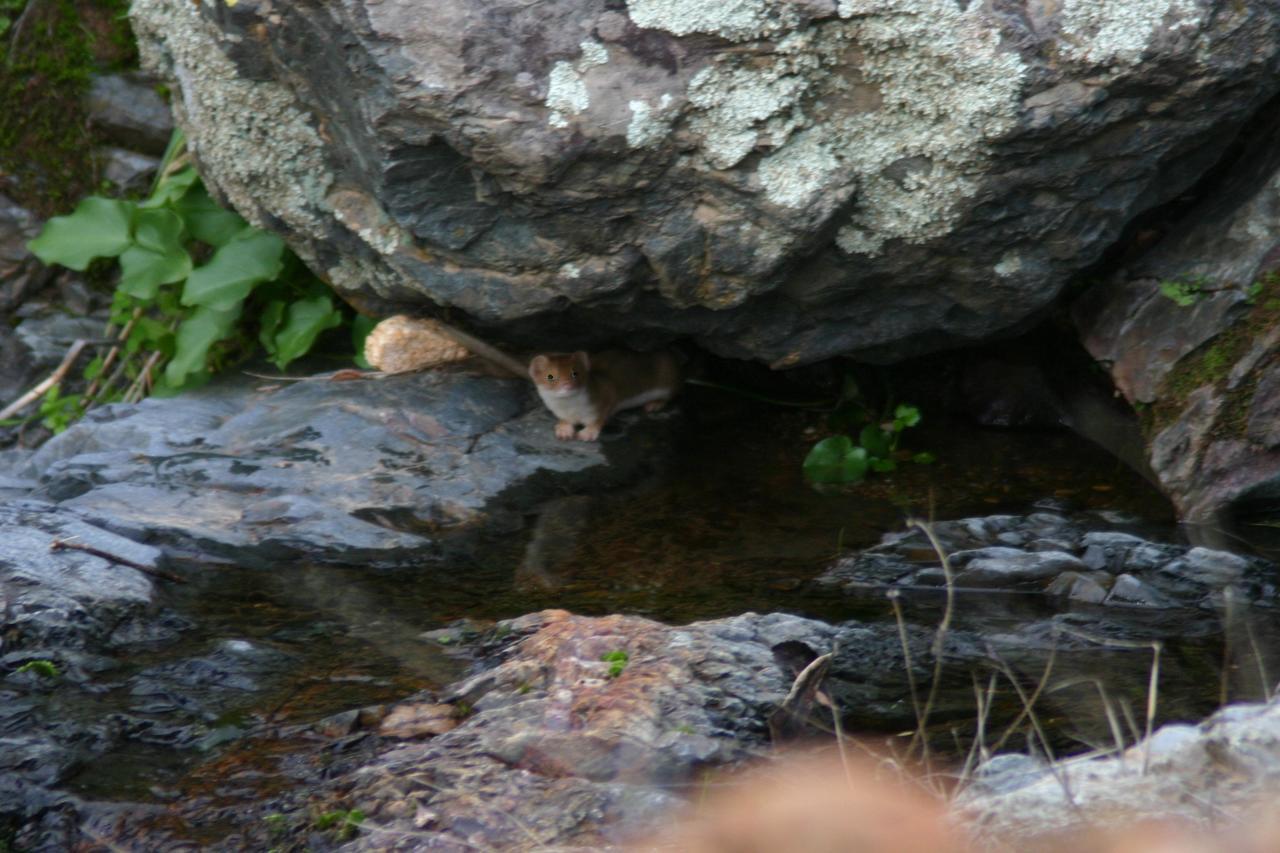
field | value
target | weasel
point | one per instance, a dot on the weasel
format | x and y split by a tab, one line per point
588	389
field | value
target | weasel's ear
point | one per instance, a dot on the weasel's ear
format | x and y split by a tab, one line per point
582	361
538	367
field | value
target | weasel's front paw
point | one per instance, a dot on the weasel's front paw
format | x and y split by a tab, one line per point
654	405
589	432
564	430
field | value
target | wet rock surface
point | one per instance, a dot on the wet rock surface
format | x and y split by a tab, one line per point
380	470
772	179
1203	372
1087	558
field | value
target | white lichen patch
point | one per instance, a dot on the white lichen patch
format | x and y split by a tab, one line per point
944	86
567	93
1119	31
570	271
738	20
1010	264
649	125
253	141
734	104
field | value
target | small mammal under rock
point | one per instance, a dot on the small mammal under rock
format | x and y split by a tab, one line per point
587	389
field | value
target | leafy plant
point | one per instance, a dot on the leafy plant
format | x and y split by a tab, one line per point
838	460
43	668
617	661
1183	293
198	288
344	822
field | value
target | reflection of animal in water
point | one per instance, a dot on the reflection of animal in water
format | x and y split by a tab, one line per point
555	538
816	805
588	389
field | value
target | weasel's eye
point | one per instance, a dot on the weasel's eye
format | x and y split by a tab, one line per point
573	374
551	377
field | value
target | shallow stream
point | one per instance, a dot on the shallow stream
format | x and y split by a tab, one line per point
727	526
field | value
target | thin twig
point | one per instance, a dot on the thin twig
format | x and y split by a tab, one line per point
1040	685
892	595
112	355
48	382
1153	692
68	545
940	635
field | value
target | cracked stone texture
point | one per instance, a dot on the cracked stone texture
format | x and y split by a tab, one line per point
384	471
779	181
1209	371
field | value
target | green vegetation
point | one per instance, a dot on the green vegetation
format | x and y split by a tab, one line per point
199	289
838	460
42	668
617	661
1211	364
48	51
344	822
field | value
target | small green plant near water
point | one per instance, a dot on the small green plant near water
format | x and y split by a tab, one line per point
617	661
1187	292
840	460
42	668
199	288
344	822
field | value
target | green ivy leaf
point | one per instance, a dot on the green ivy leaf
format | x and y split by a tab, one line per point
157	256
248	259
906	415
205	327
924	457
877	442
306	319
272	317
361	326
172	187
98	228
836	460
883	465
206	220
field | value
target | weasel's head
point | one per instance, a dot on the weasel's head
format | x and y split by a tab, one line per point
560	374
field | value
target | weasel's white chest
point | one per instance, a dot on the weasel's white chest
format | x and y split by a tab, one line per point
575	407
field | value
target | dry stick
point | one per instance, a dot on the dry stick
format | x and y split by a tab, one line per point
978	751
940	635
1112	720
1257	658
1040	733
1153	687
482	349
1044	679
49	381
893	596
143	382
112	355
68	545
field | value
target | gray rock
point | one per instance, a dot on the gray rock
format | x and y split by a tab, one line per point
1003	773
1021	568
130	171
1179	775
1205	456
386	470
130	111
773	180
1130	591
1077	587
48	336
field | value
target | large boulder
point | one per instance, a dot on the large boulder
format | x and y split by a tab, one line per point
781	181
1190	332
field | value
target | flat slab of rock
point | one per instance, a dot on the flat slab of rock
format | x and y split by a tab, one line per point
356	471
